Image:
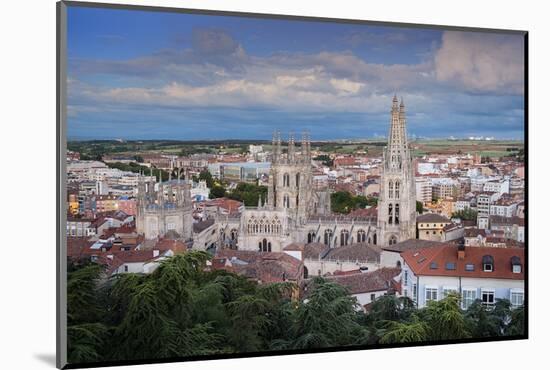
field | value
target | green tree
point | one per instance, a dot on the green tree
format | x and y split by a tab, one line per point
466	214
327	318
217	191
86	334
344	202
517	322
444	319
207	176
325	159
404	332
248	193
419	207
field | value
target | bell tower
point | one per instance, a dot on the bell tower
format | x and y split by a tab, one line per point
397	201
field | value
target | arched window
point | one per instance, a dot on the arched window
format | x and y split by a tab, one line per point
311	237
269	246
328	236
390	189
286	180
286	201
234	234
344	237
264	245
297	180
361	236
369	240
390	213
374	239
396	213
393	240
397	184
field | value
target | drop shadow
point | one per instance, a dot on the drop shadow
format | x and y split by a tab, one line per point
47	358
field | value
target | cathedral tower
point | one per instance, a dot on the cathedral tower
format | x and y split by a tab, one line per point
397	202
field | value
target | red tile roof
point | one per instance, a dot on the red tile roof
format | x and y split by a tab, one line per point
420	261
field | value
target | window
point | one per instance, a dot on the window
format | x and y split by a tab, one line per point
406	277
488	263
516	265
433	266
361	236
431	294
328	236
396	217
372	297
311	236
125	268
488	298
450	266
516	298
344	237
397	190
414	292
469	267
468	297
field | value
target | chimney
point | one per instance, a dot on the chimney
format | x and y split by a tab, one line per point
461	251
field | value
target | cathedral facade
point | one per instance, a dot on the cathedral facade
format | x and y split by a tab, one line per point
294	212
167	210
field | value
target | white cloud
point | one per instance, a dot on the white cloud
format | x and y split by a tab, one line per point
481	62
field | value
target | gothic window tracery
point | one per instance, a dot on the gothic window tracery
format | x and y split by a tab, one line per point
344	237
328	236
361	236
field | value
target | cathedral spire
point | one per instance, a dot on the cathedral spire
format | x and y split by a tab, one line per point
304	147
291	148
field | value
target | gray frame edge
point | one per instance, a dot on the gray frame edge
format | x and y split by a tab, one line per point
61	219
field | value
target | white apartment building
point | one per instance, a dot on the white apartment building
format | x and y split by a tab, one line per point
503	209
484	273
423	189
497	186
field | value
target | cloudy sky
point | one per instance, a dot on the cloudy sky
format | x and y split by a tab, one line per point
152	75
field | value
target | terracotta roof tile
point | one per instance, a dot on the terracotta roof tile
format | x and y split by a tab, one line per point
422	261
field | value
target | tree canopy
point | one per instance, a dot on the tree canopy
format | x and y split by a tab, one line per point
183	309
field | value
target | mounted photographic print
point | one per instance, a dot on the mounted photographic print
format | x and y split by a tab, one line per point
236	185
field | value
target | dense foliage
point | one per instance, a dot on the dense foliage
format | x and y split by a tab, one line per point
248	193
325	159
182	310
345	202
467	214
